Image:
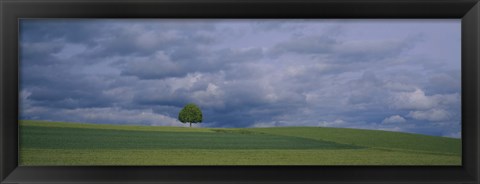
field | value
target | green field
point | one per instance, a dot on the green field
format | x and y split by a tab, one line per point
59	143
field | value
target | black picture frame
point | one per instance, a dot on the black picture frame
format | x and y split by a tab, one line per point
466	10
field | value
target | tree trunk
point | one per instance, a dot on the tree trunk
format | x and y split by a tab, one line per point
190	124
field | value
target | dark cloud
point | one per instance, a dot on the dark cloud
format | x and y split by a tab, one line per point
335	49
64	90
306	45
78	31
189	60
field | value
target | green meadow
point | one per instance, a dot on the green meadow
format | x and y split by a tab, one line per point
62	143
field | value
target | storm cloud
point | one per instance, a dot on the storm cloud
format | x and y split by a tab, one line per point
396	75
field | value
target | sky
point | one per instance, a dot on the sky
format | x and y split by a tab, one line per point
395	75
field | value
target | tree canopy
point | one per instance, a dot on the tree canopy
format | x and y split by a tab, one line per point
191	113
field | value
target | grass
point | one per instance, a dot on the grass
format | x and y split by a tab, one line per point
60	143
230	157
89	138
373	139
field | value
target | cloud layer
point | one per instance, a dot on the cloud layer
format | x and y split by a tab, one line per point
399	75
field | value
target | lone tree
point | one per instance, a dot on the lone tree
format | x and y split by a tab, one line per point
191	114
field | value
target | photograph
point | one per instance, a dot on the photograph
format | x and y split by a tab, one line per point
239	92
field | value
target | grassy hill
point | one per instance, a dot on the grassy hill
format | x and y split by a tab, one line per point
60	143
